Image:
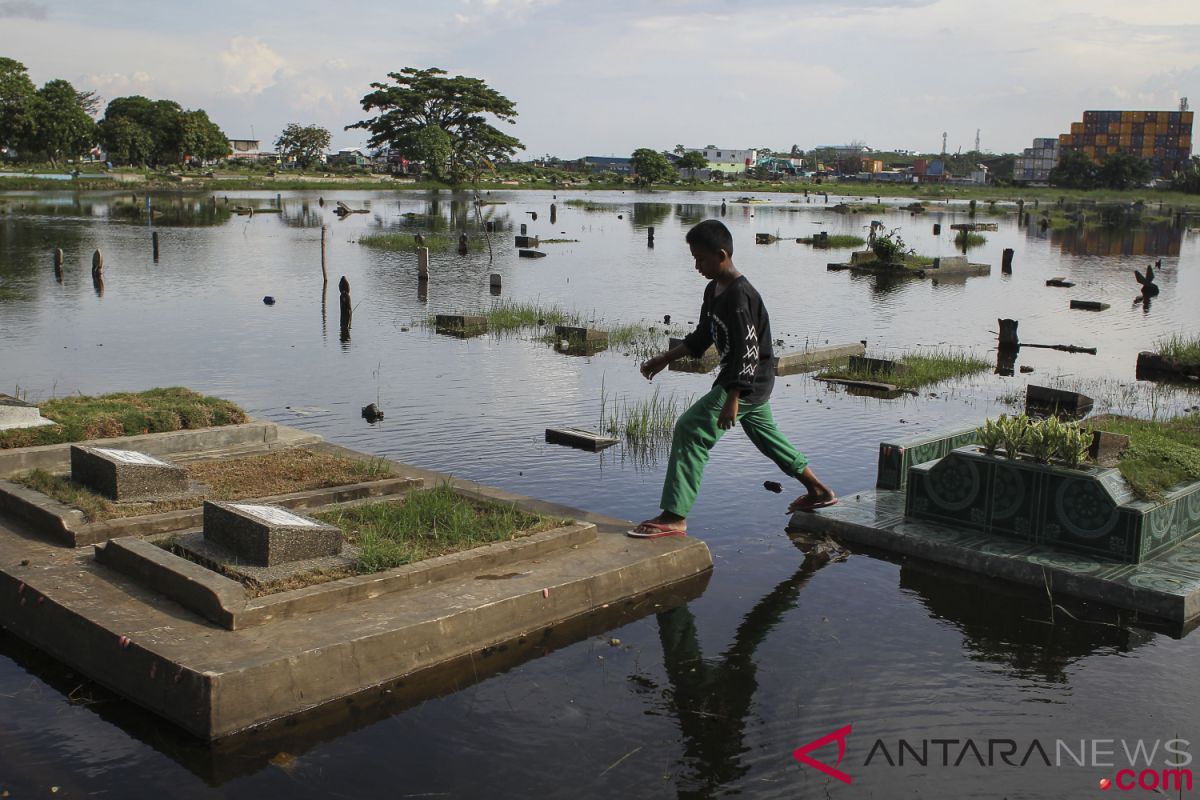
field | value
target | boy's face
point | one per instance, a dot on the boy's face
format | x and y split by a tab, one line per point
708	262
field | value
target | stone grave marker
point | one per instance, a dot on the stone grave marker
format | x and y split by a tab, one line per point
16	413
126	475
268	535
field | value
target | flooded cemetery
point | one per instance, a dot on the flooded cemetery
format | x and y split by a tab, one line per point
483	352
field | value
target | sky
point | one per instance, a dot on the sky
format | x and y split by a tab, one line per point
605	78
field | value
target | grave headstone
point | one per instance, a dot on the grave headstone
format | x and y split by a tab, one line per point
16	413
268	535
126	475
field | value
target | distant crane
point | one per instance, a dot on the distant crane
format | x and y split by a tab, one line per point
977	150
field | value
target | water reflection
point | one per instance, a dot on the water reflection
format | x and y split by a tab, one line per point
712	698
233	757
646	215
1149	240
1032	637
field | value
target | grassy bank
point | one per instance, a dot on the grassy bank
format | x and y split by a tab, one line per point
429	523
82	418
231	479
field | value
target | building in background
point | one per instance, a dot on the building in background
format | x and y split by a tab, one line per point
1164	138
1034	163
726	161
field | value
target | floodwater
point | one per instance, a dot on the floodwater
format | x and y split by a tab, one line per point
707	700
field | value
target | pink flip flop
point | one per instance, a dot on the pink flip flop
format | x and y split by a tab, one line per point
657	530
809	506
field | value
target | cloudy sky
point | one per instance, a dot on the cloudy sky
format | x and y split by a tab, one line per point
604	78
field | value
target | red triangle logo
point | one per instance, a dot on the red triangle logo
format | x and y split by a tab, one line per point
801	754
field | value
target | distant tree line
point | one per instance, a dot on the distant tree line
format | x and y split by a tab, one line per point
55	123
1119	170
1188	178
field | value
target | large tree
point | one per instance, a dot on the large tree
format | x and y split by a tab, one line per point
692	161
1121	170
17	102
421	100
651	166
304	143
62	126
1075	170
137	130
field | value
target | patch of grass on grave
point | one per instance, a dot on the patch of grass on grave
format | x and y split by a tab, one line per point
428	523
833	242
407	242
83	418
230	479
915	370
972	239
507	316
1180	348
590	205
1160	455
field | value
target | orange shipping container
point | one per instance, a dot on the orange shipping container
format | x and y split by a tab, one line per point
1164	117
1186	118
1064	138
1114	127
1126	116
1185	141
1101	139
1077	127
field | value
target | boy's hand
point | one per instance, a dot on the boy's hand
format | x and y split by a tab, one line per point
729	413
652	366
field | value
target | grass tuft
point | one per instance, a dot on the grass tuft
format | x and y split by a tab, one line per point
429	523
1180	348
916	370
840	241
1160	455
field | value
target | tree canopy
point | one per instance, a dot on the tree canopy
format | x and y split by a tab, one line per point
1119	170
420	102
651	166
17	101
137	130
692	161
304	143
62	126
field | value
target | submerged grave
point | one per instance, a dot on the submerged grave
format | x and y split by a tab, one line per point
1077	531
284	624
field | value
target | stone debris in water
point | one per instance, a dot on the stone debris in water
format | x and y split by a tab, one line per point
773	486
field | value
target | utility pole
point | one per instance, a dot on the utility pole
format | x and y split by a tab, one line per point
977	150
943	143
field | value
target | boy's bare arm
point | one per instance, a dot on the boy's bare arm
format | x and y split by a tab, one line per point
656	364
730	410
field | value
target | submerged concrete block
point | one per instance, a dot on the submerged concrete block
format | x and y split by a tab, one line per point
126	475
268	535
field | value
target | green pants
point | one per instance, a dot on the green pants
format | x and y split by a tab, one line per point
697	431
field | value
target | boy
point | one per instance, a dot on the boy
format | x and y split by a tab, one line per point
734	319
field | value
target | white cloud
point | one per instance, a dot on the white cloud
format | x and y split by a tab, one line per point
250	66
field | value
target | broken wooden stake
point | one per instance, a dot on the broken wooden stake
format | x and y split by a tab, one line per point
576	437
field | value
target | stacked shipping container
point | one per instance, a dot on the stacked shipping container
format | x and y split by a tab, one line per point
1164	138
1035	163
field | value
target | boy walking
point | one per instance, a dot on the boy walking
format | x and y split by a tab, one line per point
734	319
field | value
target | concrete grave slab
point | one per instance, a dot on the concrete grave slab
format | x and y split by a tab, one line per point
15	413
127	475
265	535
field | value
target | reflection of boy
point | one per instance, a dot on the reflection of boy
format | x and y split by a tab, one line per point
734	319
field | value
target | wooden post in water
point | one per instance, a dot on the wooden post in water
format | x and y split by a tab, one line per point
972	208
937	229
58	264
1020	210
154	244
324	273
523	229
463	244
347	308
1008	334
1006	261
97	263
553	213
650	236
423	263
494	281
722	208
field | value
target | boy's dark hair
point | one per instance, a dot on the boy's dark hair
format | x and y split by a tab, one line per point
711	235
